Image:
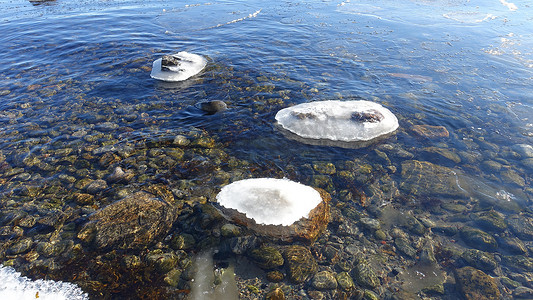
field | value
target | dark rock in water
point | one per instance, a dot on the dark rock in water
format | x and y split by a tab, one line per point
169	61
490	220
518	262
162	261
404	246
422	178
275	294
300	263
275	276
238	245
96	186
345	281
478	239
370	116
431	132
364	274
512	245
267	257
479	259
521	226
119	175
523	292
476	285
20	247
324	280
213	106
131	223
302	116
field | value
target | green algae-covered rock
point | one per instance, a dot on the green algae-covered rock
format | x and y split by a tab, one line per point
476	285
479	259
131	223
345	281
364	275
478	239
518	262
521	226
324	280
300	263
422	178
266	257
162	261
490	220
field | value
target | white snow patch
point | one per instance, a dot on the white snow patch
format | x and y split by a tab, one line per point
334	120
14	286
190	65
270	201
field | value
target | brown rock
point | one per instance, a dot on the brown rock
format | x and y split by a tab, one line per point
131	223
476	285
430	132
306	230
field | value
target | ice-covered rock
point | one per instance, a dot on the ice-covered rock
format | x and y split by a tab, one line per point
338	121
177	67
278	209
14	286
270	201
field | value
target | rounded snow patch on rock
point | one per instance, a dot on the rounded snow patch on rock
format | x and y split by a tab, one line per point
14	286
338	121
177	67
270	201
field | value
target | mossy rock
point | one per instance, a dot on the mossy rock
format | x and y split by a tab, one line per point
474	284
478	239
266	257
490	220
324	280
479	259
422	178
300	263
364	275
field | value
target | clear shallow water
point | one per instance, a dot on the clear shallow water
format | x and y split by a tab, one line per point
67	68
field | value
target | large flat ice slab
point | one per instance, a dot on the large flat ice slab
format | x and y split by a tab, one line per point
270	201
334	120
189	64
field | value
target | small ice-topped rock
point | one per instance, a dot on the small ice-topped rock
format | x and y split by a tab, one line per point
177	67
14	286
333	120
270	201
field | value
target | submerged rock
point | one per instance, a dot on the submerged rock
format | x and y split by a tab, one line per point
213	106
521	226
479	259
422	178
267	257
476	285
324	280
364	274
337	121
130	223
478	239
177	67
431	132
300	263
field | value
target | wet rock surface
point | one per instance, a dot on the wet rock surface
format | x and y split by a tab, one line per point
475	284
300	263
133	222
423	178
